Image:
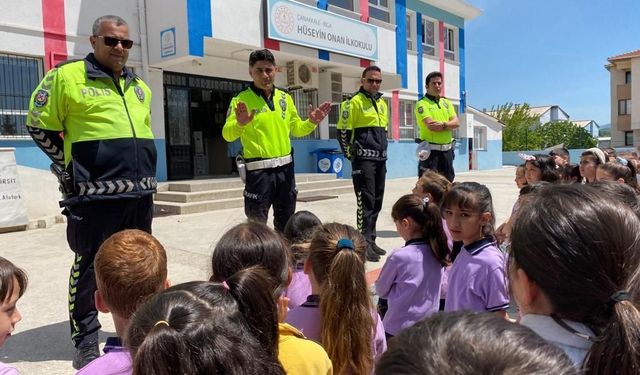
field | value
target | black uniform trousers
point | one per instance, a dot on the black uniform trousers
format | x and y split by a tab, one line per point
271	186
368	182
88	225
439	161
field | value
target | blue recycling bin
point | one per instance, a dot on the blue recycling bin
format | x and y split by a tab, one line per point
329	160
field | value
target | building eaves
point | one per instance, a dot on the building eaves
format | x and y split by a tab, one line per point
626	55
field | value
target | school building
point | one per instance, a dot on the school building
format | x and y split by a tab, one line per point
194	56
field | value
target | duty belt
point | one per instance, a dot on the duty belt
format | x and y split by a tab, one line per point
269	163
440	147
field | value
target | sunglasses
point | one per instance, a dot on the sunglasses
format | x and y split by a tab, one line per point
372	81
112	42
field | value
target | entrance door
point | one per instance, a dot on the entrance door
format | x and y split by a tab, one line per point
178	133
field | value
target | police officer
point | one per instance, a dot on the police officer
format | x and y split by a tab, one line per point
106	163
263	116
362	134
437	119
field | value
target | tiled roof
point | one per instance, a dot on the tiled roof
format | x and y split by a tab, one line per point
626	55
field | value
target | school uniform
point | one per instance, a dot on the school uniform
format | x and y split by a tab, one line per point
575	346
299	355
307	319
299	289
115	361
8	370
477	281
410	280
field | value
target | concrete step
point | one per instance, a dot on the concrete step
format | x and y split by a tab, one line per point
236	192
235	182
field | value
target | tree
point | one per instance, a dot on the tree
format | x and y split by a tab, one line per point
565	132
519	127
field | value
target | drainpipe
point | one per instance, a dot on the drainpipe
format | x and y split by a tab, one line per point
142	25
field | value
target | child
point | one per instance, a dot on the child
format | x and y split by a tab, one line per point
574	272
621	170
622	193
13	284
339	313
130	267
411	277
298	233
589	162
477	279
561	156
255	244
520	179
203	327
465	343
540	168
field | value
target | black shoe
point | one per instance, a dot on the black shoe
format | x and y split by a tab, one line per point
85	353
377	249
371	255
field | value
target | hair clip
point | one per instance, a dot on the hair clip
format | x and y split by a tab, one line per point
619	296
225	285
425	200
162	322
622	161
526	157
345	243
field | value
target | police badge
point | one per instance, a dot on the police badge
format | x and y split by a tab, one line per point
139	93
41	98
345	114
420	110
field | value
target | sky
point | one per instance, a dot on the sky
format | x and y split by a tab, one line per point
545	52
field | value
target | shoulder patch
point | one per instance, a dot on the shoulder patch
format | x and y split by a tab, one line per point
139	93
41	98
445	104
420	109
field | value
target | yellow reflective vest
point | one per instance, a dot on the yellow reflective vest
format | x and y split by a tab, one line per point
364	117
439	111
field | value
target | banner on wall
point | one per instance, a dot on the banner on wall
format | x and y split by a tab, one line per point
293	22
13	211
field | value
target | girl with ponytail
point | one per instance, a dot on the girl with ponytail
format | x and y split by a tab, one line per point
340	314
411	277
208	328
573	270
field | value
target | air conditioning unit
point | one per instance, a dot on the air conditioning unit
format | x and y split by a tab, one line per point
304	74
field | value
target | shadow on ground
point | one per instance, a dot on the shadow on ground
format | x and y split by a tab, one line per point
46	343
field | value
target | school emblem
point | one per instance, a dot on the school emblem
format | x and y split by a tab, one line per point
420	110
139	93
41	98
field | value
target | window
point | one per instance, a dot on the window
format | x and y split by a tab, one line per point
428	37
19	75
627	77
379	9
407	123
410	28
628	138
449	44
479	138
624	107
345	4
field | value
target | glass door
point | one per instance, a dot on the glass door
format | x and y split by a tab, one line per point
178	130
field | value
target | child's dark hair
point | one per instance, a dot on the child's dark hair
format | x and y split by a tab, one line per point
427	216
251	244
337	258
467	343
435	184
10	274
298	232
533	188
547	166
203	327
474	197
559	151
261	55
621	192
583	250
570	173
624	169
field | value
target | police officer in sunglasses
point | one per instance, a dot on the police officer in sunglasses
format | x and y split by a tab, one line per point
105	161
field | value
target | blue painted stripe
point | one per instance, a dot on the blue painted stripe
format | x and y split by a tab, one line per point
401	41
463	98
419	57
199	24
433	12
322	54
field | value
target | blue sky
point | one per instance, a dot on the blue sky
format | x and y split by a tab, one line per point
548	52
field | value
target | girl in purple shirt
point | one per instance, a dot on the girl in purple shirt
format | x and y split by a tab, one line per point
411	277
477	280
339	313
13	283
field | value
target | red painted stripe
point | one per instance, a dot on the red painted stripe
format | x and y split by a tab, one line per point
364	63
55	35
441	54
395	115
364	11
271	44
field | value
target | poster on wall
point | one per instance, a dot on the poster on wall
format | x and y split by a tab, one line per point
13	212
